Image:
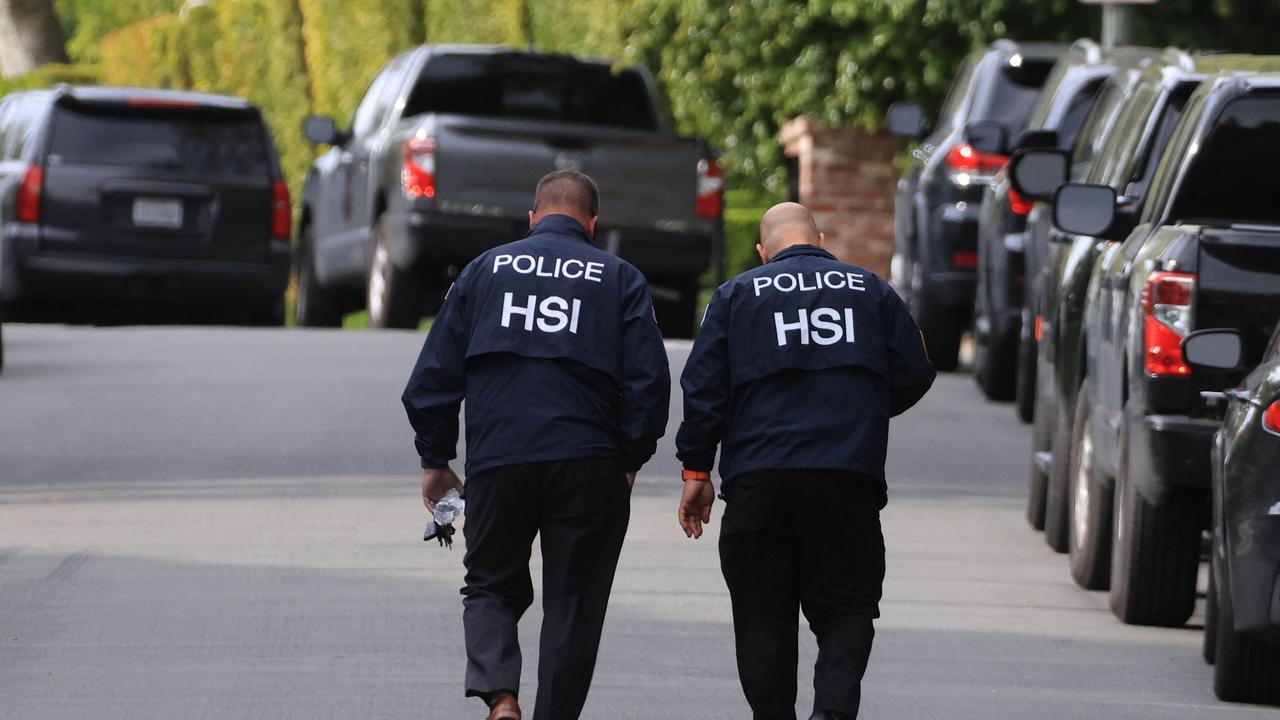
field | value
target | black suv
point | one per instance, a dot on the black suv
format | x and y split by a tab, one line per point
1000	303
935	255
119	195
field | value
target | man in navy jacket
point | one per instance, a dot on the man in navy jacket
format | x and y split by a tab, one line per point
795	373
554	346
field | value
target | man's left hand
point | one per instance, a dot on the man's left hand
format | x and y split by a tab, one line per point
436	482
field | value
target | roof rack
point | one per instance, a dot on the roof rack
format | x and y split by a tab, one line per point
1091	50
1179	58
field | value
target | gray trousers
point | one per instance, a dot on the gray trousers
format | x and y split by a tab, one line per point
580	508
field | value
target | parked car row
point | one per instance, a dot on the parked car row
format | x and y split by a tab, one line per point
173	199
1136	207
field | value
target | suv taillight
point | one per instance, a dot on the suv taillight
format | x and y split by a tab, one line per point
1271	417
1166	308
281	210
965	157
418	176
28	205
710	189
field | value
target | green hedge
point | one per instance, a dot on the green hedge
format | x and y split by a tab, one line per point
49	75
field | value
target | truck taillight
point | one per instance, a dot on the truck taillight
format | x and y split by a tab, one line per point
281	210
1019	205
28	204
966	157
1271	417
1166	308
710	189
418	176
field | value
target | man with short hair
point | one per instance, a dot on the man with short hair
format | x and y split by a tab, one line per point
553	344
795	373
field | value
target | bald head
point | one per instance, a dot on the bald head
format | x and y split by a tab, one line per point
784	225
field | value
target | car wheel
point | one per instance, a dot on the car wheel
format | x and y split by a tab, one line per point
1056	501
268	315
317	306
395	296
1246	665
1024	396
1155	555
1089	540
941	330
995	360
676	316
1040	439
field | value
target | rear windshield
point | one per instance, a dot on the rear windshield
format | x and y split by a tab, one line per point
532	88
228	143
1233	176
1012	95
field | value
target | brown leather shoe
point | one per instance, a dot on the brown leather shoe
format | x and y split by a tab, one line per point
505	708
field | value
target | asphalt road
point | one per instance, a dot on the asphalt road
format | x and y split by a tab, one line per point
221	523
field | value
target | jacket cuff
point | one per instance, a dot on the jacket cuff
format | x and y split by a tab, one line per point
700	463
434	464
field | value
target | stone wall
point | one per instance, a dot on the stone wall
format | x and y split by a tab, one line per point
847	179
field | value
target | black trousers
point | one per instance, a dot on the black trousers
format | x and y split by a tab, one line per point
809	541
581	509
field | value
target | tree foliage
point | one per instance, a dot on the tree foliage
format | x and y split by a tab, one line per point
735	70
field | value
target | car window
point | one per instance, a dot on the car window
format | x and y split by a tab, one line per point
1094	131
6	105
1170	161
232	143
1232	177
1143	167
532	88
1011	94
1115	158
956	94
365	120
1077	110
1273	350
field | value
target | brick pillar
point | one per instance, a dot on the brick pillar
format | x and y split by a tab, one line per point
847	180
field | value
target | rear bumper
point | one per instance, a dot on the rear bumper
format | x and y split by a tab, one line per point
954	230
434	240
30	274
1167	452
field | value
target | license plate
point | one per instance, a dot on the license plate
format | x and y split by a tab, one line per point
157	213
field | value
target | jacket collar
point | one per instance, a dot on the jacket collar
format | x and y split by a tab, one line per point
560	225
803	249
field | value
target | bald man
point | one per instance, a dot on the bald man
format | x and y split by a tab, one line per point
795	373
553	344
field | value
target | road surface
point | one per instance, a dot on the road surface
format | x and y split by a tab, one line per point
224	523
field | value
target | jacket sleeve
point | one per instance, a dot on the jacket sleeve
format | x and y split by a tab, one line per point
707	390
645	394
911	374
434	393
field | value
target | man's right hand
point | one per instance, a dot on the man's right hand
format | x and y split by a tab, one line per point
695	507
436	482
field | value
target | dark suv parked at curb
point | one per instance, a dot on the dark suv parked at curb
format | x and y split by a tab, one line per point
1003	273
1205	253
935	256
122	195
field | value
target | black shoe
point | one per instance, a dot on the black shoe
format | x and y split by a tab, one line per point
828	715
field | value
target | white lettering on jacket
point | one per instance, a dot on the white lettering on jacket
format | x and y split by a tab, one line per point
552	315
807	282
823	326
570	268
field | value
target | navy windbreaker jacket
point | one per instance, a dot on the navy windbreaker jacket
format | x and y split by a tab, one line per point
554	346
800	364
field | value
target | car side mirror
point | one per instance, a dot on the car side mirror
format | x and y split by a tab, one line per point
1037	172
1084	209
906	120
1036	139
322	130
987	137
1215	349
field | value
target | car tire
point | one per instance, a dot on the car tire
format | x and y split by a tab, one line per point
942	331
1056	497
1089	508
394	296
994	355
1246	665
1155	555
268	315
1209	648
1041	433
676	316
317	306
1024	394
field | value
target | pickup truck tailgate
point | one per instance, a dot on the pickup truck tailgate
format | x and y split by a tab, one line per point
646	179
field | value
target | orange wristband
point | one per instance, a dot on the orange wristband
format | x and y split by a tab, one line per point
699	475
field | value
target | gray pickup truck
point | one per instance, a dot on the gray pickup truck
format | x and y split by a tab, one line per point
440	163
